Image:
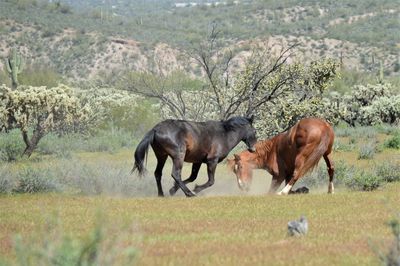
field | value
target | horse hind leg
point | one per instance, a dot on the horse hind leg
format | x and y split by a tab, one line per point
331	172
158	173
191	178
299	164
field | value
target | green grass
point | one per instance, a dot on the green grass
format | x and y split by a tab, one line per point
223	226
239	230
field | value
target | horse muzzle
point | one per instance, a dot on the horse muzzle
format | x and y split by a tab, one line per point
244	186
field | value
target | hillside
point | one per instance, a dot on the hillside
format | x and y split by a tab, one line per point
83	39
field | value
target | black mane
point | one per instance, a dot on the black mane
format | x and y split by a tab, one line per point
235	122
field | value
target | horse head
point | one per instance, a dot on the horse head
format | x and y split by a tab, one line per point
250	137
242	165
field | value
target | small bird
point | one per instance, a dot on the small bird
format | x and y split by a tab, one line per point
298	227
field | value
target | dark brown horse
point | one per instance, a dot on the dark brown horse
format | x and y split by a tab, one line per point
288	156
196	142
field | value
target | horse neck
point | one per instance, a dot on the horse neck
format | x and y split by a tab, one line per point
234	137
263	153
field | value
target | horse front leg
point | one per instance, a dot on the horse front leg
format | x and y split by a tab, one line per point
275	184
192	177
211	166
176	175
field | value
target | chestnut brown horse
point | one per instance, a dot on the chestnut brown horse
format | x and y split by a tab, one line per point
288	156
196	142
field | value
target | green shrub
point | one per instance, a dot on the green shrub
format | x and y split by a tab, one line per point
387	129
367	132
340	146
367	151
317	178
389	171
55	247
11	146
391	257
109	141
6	183
393	142
342	131
363	181
59	146
33	180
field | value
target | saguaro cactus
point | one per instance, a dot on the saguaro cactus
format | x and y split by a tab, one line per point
14	66
381	73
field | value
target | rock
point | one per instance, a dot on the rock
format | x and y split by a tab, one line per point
298	227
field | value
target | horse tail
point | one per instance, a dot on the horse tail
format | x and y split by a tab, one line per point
141	152
312	161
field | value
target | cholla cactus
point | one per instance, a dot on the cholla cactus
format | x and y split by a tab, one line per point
371	104
14	65
43	109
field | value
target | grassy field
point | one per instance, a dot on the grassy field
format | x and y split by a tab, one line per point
229	230
223	226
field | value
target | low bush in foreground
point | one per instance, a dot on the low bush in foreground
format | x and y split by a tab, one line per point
392	256
55	247
389	171
393	142
73	176
352	177
11	146
32	180
363	181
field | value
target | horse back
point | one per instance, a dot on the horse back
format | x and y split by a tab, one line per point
195	138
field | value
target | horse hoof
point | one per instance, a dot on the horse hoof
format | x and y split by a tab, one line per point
196	189
172	191
190	195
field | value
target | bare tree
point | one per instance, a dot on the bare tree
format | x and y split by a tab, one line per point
216	63
228	88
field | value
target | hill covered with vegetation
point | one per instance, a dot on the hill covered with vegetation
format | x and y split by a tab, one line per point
85	39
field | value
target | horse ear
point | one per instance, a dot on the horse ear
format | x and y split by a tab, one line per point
251	119
237	157
231	164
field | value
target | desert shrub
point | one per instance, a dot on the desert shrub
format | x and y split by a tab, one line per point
367	151
118	109
341	146
101	246
393	142
61	146
387	129
104	178
392	256
317	178
366	132
109	141
389	171
352	140
362	181
6	181
341	131
11	146
33	180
